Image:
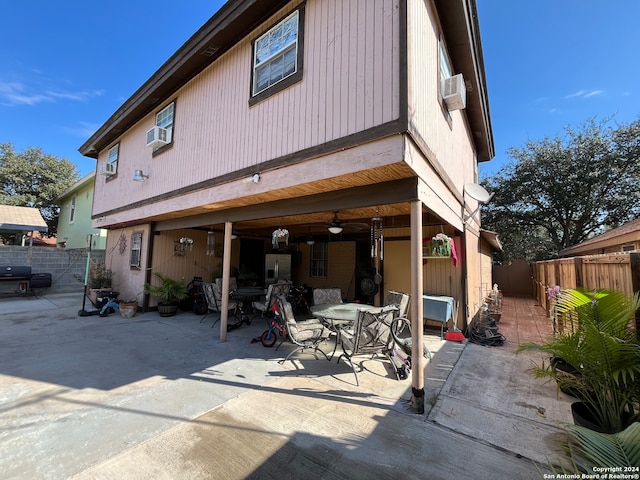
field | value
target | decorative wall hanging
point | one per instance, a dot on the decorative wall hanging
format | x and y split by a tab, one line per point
122	244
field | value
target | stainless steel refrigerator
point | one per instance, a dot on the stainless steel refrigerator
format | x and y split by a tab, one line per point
277	267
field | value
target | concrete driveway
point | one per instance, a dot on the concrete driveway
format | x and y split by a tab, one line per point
153	397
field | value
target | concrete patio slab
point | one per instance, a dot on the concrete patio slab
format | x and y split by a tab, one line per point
153	397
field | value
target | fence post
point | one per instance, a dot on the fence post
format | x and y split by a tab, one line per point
634	263
577	263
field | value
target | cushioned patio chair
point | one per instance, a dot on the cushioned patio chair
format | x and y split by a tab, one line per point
304	334
326	295
370	335
273	291
213	297
399	299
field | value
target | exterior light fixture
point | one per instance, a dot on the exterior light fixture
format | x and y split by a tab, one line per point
255	178
138	176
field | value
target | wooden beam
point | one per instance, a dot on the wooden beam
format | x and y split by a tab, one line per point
399	191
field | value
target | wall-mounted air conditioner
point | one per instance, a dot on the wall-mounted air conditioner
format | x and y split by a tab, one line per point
108	168
455	92
158	136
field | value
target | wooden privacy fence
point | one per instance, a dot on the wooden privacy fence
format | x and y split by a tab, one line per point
613	271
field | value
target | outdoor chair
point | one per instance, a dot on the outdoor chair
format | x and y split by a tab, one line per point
233	284
213	297
400	300
304	334
273	291
370	335
326	295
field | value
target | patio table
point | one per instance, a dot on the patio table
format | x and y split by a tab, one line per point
244	296
339	315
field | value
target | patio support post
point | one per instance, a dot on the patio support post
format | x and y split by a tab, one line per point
226	269
417	333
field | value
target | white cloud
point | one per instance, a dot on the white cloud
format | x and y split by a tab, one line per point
593	93
16	93
584	94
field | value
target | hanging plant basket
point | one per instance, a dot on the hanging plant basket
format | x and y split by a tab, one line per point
279	235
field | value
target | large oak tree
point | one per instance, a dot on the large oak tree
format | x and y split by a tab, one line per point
560	191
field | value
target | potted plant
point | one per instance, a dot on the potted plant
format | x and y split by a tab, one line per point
101	278
169	293
603	353
128	308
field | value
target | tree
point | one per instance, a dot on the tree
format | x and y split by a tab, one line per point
561	191
34	179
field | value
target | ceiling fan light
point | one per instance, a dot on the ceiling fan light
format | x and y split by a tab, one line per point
335	229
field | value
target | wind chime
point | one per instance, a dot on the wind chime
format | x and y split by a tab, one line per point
377	238
211	243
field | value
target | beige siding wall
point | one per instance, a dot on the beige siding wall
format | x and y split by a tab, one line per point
446	134
350	84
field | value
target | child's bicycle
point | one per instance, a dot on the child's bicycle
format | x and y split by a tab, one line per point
269	337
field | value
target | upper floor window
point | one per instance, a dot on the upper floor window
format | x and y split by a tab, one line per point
161	135
110	168
445	66
113	153
72	210
277	56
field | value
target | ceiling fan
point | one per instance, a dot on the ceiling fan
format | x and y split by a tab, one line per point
337	226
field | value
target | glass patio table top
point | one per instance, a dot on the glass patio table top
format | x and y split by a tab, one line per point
340	313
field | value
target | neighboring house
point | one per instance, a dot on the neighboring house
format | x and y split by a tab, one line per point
74	222
293	114
625	238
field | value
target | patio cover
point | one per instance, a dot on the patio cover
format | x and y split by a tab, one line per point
21	219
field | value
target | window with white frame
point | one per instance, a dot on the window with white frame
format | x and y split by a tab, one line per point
72	209
112	158
445	66
164	120
277	54
136	249
319	260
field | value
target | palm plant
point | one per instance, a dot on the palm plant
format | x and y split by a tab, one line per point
169	291
603	350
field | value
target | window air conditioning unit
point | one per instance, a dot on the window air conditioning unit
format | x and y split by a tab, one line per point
108	169
158	136
455	92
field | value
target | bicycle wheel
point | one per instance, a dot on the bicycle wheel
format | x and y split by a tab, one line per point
268	338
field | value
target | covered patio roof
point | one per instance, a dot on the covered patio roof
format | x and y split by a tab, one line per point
21	219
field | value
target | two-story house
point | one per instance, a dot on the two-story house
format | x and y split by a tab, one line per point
364	118
74	222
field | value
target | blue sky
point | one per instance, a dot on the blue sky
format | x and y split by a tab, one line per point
66	67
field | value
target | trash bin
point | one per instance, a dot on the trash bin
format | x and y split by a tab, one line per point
103	296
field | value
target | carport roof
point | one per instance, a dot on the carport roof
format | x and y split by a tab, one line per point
21	219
